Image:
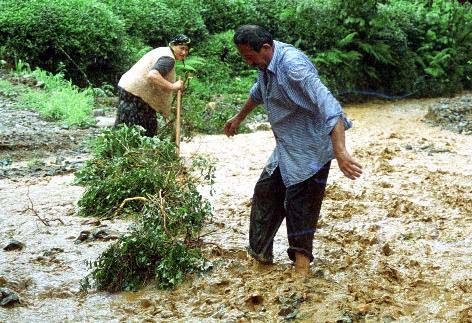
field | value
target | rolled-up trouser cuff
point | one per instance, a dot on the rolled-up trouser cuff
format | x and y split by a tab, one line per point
299	204
291	253
261	258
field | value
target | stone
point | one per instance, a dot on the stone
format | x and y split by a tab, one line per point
211	105
363	308
104	122
265	126
95	222
98	112
319	273
386	250
52	252
84	235
104	234
8	298
14	245
254	300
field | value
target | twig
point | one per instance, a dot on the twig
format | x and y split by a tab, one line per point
200	242
164	214
77	66
129	199
207	234
31	208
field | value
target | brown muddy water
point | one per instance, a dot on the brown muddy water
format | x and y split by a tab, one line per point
395	245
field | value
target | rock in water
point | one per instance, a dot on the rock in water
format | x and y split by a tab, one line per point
14	245
8	298
98	112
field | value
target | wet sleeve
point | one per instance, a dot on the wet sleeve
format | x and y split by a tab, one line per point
164	65
305	89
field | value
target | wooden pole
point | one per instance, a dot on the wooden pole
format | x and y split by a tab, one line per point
177	120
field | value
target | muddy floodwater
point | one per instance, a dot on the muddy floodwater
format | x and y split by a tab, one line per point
395	245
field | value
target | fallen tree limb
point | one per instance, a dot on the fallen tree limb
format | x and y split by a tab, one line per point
129	199
31	208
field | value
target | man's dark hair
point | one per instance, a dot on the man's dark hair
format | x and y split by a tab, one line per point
252	35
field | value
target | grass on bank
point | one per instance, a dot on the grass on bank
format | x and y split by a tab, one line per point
10	90
55	98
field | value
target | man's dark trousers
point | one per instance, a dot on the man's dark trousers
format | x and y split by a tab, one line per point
300	204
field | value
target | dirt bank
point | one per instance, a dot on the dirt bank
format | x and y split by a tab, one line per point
394	245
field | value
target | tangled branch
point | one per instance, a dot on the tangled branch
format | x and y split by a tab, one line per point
35	213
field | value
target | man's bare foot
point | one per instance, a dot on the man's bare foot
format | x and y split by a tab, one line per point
302	264
261	267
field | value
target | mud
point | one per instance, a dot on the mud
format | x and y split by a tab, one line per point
394	245
33	147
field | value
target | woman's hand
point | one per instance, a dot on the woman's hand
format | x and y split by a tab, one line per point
178	86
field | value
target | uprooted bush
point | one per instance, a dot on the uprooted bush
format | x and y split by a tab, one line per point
125	164
146	178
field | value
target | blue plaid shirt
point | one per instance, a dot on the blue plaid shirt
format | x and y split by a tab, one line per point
301	111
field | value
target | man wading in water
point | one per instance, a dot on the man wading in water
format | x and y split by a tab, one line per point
308	125
147	87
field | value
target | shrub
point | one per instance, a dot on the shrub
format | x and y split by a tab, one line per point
125	164
312	25
393	23
168	209
222	15
387	49
270	15
445	45
215	93
70	36
144	254
156	21
208	105
219	48
188	19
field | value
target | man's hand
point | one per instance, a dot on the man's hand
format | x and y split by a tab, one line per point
232	126
350	168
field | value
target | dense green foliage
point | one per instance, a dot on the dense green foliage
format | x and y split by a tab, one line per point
216	91
125	164
393	47
390	48
75	36
221	15
169	213
156	21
